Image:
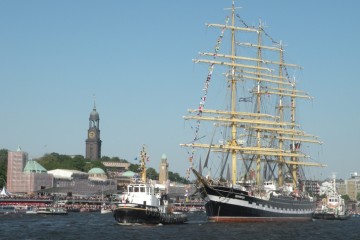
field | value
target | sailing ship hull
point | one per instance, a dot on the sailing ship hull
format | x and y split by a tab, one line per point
232	205
127	214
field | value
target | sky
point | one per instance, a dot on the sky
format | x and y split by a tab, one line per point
136	58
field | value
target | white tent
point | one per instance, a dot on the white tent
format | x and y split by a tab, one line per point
4	193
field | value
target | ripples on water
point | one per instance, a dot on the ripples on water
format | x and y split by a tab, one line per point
103	226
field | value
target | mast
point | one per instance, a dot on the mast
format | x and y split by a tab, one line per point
258	104
233	99
269	133
143	158
281	118
295	145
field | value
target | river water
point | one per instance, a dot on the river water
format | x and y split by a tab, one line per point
103	226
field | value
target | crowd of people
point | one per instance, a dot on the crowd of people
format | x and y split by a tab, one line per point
71	203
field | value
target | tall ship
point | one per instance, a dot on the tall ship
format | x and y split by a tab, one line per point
249	154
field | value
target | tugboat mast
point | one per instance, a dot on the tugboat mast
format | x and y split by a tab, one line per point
143	157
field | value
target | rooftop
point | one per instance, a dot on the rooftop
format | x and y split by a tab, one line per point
34	167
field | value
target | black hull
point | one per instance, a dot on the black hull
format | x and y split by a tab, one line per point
222	212
144	215
330	216
136	215
225	204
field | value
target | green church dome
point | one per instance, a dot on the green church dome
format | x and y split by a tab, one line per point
96	171
34	167
128	174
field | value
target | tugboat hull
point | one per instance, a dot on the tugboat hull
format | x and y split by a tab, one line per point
140	214
330	216
136	215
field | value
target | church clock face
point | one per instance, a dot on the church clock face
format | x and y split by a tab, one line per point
91	134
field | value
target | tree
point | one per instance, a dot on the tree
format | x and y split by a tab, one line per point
79	163
58	161
3	154
134	167
358	197
346	197
152	174
93	164
112	159
105	159
3	166
175	177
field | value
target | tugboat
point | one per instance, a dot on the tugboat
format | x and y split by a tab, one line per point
143	203
333	206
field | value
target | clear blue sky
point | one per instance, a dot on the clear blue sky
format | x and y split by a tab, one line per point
136	57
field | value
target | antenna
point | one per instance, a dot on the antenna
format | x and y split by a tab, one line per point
333	175
94	97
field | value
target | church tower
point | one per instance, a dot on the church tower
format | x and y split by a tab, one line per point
164	170
93	142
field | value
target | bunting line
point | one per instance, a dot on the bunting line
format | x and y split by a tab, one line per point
205	90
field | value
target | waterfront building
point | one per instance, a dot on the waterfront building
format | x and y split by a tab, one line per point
29	177
93	142
313	187
119	166
350	187
125	178
341	186
74	182
353	186
26	176
164	170
115	169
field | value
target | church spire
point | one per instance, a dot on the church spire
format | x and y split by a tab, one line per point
94	109
93	142
94	118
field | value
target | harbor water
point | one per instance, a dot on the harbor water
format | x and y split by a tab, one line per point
103	226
